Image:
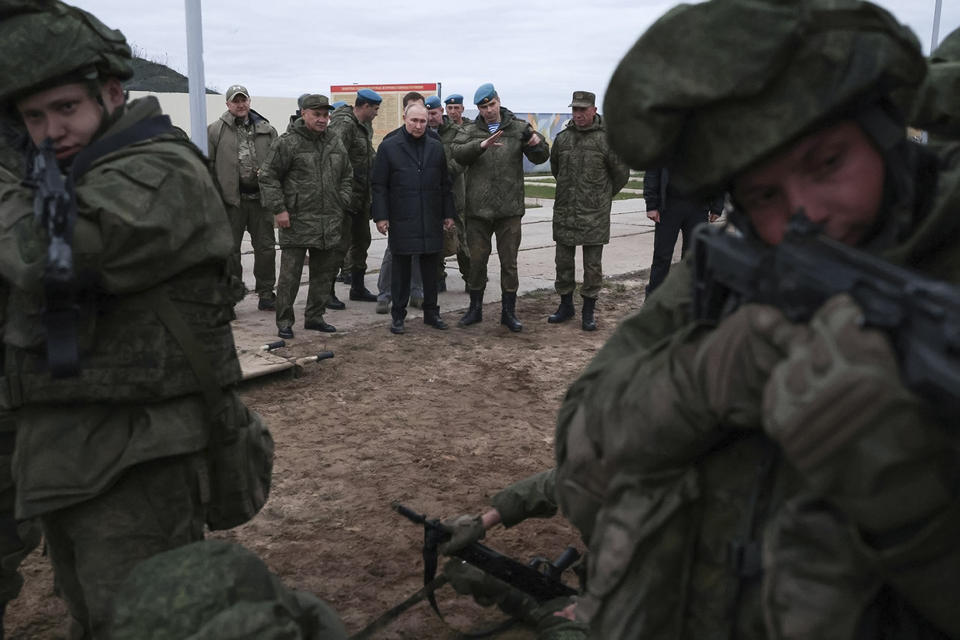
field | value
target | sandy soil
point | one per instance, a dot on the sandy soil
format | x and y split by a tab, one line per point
439	420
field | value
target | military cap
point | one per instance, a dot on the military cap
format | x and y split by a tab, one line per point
433	102
338	104
757	76
583	99
43	44
368	96
235	90
300	100
454	98
316	101
484	94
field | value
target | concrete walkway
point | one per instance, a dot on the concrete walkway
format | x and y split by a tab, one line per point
630	250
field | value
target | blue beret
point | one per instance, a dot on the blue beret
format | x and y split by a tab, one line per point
368	95
433	102
454	98
484	94
338	104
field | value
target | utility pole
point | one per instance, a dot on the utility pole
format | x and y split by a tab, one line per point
935	39
198	91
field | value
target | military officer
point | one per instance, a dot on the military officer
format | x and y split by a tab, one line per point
759	478
454	106
588	175
492	148
306	182
238	143
448	130
354	126
117	400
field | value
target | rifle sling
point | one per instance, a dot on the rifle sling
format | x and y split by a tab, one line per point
143	130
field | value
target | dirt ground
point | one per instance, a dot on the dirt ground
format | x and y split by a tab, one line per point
438	420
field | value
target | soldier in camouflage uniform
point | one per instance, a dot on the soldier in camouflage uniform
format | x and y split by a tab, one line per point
354	126
17	539
448	132
306	183
492	148
237	144
111	459
588	175
217	589
937	108
758	478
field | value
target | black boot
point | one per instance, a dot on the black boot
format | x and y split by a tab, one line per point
358	290
344	277
432	318
475	313
334	302
588	323
564	311
396	324
508	315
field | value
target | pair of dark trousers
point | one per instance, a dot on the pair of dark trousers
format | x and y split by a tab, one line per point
479	233
680	219
355	242
322	265
400	287
252	217
592	269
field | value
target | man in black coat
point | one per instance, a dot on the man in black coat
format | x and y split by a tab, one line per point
675	214
413	201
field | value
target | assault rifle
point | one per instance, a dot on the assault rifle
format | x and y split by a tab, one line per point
56	212
920	315
540	579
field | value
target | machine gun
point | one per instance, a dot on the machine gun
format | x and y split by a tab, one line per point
540	579
920	315
56	212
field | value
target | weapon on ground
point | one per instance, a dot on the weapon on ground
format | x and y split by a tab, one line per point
56	211
921	315
540	579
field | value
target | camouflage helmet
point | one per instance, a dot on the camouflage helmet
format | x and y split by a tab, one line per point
43	42
939	102
712	88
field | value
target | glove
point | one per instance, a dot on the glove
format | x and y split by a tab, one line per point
487	591
464	531
843	418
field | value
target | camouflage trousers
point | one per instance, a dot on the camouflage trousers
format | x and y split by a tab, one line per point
250	216
480	232
592	269
463	252
323	262
354	243
93	545
17	539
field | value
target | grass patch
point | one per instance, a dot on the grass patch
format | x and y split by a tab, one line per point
539	191
635	184
627	196
550	180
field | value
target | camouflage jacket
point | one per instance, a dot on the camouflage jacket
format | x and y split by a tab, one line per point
448	132
308	175
151	227
588	175
357	138
495	175
222	149
660	540
533	497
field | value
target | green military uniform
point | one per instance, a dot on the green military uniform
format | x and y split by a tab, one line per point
237	150
357	138
494	193
307	174
17	539
588	175
217	589
448	132
761	479
936	108
112	460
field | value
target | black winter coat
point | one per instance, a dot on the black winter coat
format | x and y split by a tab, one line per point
411	190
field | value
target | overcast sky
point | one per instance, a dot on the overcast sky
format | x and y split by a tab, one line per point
535	51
